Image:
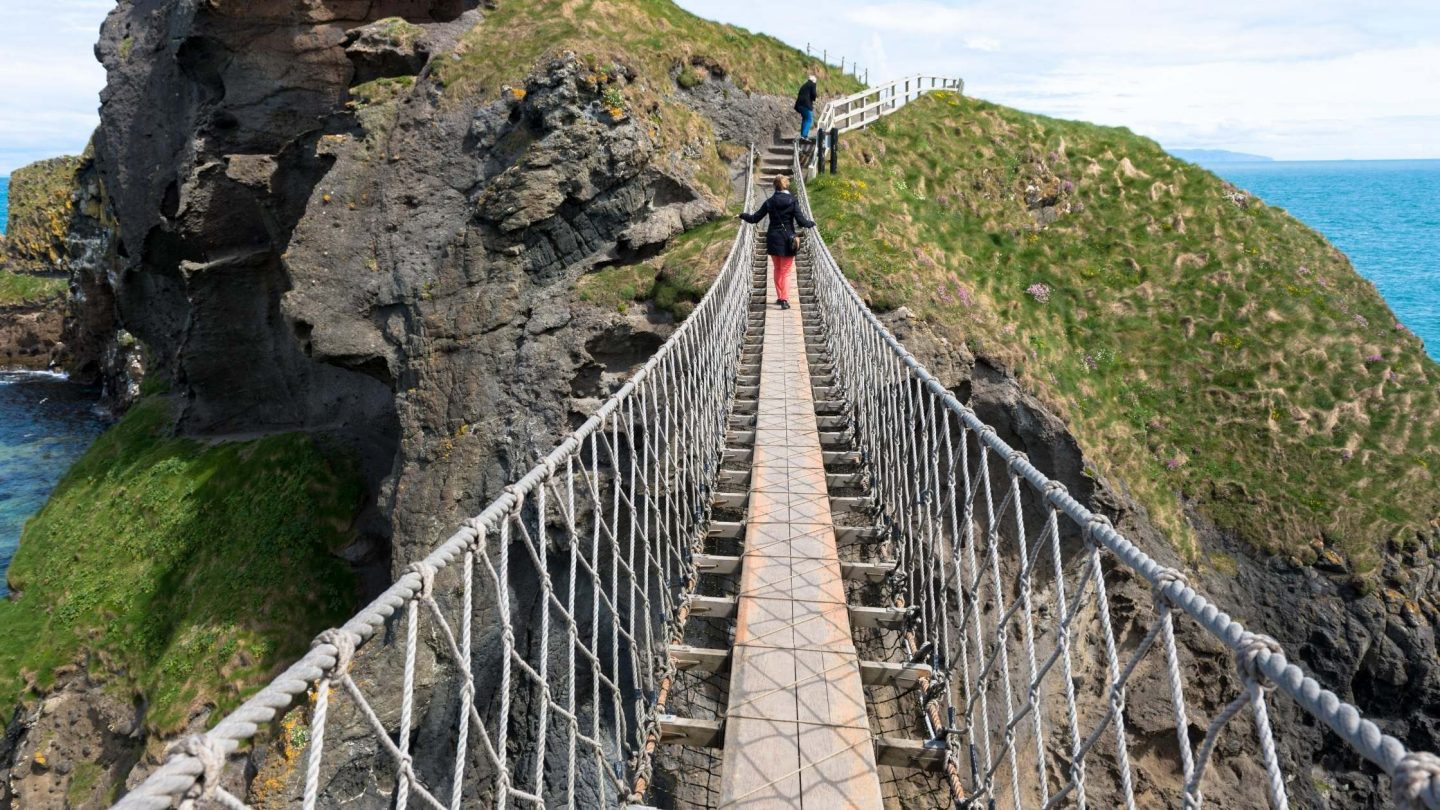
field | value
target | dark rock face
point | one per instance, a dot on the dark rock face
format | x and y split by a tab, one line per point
74	746
1376	650
397	274
209	125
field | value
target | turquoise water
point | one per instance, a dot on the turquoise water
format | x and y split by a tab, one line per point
4	203
1384	214
46	422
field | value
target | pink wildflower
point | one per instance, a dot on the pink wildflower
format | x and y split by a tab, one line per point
1374	358
1040	292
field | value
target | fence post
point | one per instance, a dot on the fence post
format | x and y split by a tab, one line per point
834	147
820	151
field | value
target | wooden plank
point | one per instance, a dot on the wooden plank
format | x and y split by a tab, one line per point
726	530
731	479
925	755
699	659
901	676
713	607
848	503
878	618
676	730
842	456
739	455
859	534
730	500
866	572
717	564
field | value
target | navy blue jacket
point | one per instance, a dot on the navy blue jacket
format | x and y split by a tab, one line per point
806	98
784	212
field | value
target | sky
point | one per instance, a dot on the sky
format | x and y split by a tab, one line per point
49	79
1290	79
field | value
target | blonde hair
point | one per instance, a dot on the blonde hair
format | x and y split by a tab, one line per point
782	183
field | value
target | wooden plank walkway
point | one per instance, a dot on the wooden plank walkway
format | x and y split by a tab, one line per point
796	731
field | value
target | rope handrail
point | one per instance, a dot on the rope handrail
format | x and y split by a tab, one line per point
957	566
643	464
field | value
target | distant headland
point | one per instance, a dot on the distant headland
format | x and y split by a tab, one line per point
1204	156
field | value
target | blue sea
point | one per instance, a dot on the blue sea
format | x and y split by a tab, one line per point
46	422
1384	215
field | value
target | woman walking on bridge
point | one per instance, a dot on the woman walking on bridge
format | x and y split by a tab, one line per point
781	241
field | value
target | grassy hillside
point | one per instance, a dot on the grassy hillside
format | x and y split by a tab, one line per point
660	41
1202	346
178	570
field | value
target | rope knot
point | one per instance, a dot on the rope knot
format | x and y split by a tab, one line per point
513	490
1095	524
1247	657
1416	783
344	645
1164	579
427	576
1053	491
1015	458
212	761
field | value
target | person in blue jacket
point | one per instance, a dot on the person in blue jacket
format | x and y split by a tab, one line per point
805	105
781	241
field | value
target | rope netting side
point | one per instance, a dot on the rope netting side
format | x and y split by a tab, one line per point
1007	581
533	643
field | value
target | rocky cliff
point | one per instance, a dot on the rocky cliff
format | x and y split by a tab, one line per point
367	223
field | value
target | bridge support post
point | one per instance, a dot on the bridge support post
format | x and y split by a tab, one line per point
820	138
834	147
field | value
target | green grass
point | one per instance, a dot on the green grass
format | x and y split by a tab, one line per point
21	288
1197	349
653	37
675	280
184	572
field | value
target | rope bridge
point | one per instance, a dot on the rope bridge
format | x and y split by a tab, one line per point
526	662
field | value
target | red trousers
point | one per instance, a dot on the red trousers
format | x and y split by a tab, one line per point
784	276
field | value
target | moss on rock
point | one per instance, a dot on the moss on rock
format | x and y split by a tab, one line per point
42	204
